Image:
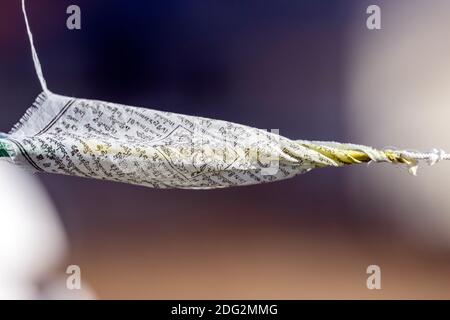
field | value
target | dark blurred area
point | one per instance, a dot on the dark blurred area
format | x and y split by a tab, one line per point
267	64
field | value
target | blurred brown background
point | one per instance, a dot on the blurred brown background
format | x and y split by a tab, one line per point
308	68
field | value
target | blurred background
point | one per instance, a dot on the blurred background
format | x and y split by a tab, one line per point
311	69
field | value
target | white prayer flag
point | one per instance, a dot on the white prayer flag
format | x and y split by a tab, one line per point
97	139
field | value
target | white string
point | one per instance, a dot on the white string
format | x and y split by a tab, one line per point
37	64
432	157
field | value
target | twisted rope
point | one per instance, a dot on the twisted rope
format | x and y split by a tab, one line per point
345	154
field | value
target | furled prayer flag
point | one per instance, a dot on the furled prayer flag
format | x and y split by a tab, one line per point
97	139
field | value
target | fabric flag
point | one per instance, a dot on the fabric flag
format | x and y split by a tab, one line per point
110	141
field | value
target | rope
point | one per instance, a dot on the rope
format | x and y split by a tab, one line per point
37	64
346	154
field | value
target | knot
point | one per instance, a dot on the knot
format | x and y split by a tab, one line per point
435	156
